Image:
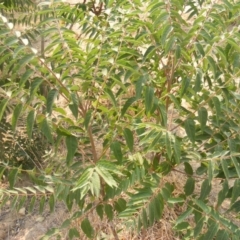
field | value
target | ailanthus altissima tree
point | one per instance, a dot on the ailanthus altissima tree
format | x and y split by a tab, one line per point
137	92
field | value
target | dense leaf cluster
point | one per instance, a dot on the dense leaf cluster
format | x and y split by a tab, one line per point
136	94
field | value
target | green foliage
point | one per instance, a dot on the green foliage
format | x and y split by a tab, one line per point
139	92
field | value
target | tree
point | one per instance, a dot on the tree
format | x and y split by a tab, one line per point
150	90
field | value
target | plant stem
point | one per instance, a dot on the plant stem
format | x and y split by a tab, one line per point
114	231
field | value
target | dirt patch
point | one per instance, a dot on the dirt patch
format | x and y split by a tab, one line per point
29	226
25	225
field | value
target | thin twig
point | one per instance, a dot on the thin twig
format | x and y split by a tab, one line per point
113	231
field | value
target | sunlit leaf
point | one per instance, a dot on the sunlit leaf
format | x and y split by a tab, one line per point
96	185
107	177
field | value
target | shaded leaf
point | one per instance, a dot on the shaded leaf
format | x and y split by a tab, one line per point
30	123
120	205
223	193
212	231
12	177
185	84
46	127
74	105
235	207
164	168
16	113
198	81
189	186
73	232
127	104
151	212
190	129
236	164
25	77
139	87
149	95
205	189
217	105
148	53
159	205
188	168
117	151
166	31
41	204
198	228
31	204
72	144
235	191
100	211
202	116
168	146
210	170
109	92
87	118
177	150
50	99
200	48
144	218
65	224
35	86
109	211
3	106
222	235
87	228
25	60
129	138
51	202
